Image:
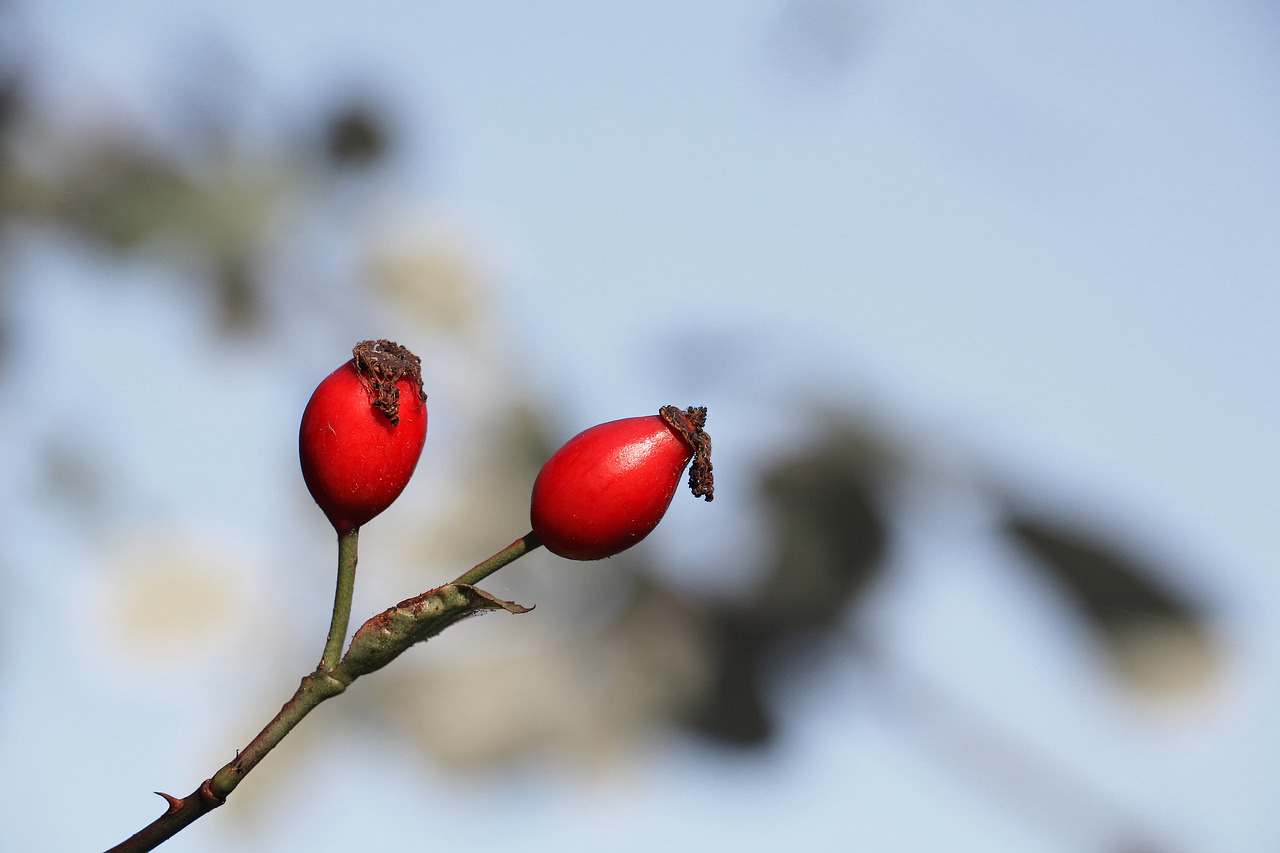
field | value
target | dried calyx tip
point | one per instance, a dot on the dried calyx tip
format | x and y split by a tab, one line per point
380	365
689	423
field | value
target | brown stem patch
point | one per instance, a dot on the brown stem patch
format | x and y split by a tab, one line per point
689	424
380	365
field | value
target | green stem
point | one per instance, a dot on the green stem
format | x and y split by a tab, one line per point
512	552
315	688
348	546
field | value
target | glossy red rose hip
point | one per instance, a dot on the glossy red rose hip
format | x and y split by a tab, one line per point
609	486
362	433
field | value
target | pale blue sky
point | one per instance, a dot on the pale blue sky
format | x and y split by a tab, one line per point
1042	236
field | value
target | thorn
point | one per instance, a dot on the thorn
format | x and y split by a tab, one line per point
174	803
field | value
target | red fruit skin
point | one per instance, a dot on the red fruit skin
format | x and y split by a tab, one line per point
608	487
355	463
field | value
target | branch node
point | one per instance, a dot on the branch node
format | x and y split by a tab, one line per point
206	791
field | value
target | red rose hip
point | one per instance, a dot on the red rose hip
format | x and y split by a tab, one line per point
609	486
362	433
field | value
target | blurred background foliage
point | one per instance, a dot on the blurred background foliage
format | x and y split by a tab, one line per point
281	240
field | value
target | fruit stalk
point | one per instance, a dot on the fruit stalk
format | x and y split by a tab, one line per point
514	551
348	547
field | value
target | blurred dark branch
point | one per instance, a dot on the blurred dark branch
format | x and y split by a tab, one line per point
211	193
829	509
1104	583
831	538
1136	615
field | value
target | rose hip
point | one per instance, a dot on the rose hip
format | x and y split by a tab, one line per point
609	486
362	433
